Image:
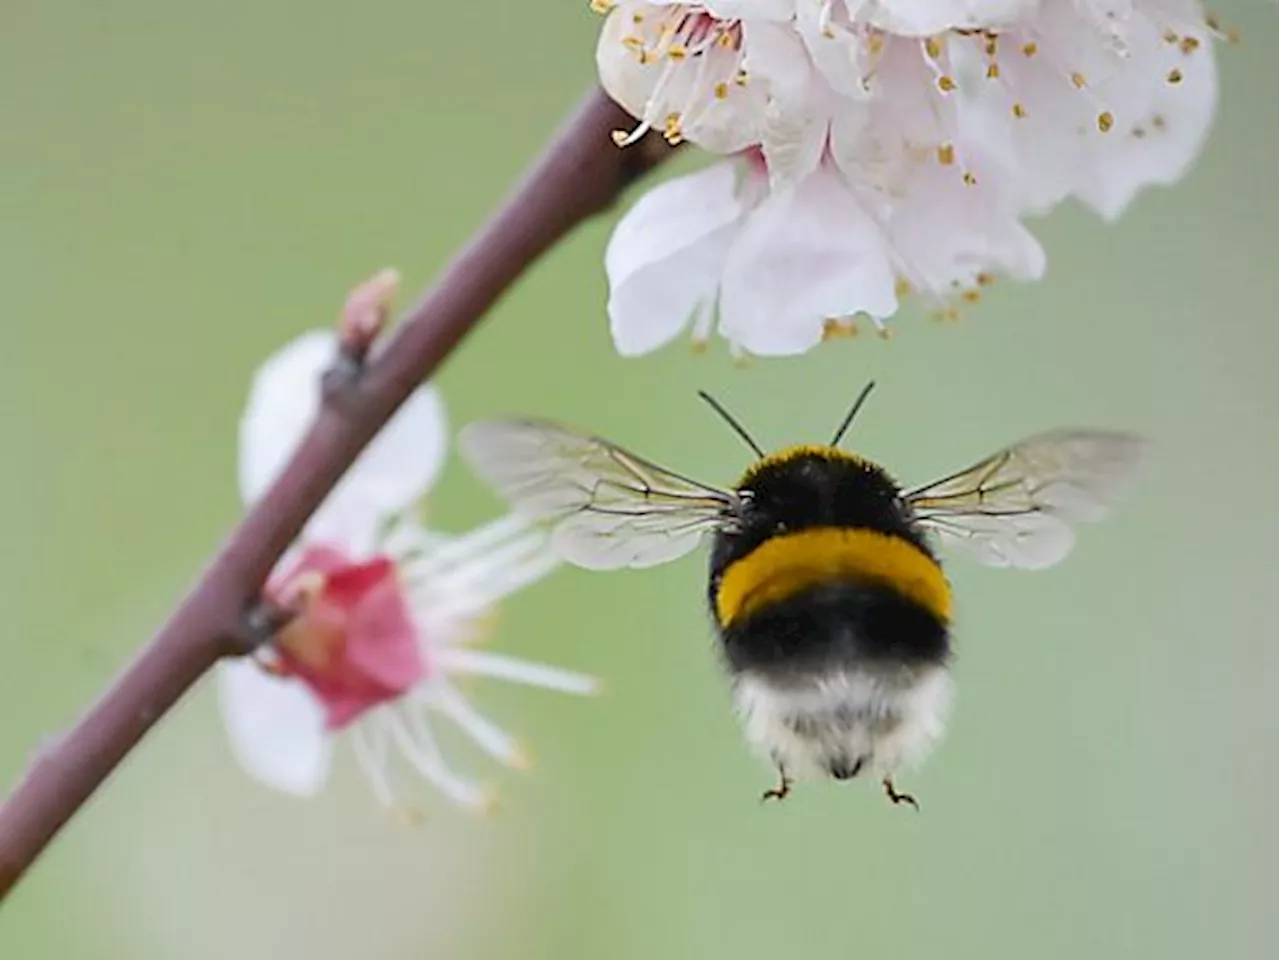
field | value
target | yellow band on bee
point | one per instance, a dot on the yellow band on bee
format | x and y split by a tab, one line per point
785	565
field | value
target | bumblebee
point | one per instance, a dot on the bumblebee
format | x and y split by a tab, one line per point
831	607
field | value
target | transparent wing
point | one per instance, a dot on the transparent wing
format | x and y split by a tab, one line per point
606	508
1016	508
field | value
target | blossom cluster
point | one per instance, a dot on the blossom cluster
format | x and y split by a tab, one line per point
880	147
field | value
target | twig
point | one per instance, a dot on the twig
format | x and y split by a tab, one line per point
581	174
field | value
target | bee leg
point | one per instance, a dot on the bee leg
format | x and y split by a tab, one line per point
781	791
891	792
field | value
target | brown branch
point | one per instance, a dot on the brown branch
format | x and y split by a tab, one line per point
581	174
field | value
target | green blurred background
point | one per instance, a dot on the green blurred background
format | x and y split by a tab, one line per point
188	186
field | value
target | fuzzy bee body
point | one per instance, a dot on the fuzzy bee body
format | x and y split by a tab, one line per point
833	617
832	611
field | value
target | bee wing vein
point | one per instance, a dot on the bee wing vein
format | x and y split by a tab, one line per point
605	506
1016	507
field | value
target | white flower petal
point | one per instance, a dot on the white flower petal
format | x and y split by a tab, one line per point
393	472
282	403
948	233
1161	125
665	256
804	256
794	130
275	726
840	56
923	18
753	9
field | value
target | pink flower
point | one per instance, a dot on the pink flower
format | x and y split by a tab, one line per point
353	642
387	612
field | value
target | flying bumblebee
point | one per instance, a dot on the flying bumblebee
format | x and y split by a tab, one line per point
831	608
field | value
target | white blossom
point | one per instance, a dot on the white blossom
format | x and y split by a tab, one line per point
889	145
388	612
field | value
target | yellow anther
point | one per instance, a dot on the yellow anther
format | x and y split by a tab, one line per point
838	330
677	52
1158	121
993	71
601	6
726	40
1212	22
990	45
1019	111
671	131
620	137
971	296
1170	36
946	154
969	179
698	347
1106	121
901	287
1189	45
985	279
632	42
933	48
875	43
722	90
946	84
1174	76
1029	49
1078	79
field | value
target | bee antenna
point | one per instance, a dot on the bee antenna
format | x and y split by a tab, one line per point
853	412
728	418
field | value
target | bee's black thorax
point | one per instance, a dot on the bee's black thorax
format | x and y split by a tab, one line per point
811	489
789	622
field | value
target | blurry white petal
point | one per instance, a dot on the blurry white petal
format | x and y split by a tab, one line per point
665	256
462	660
394	471
804	256
276	727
